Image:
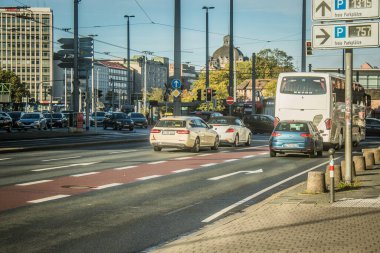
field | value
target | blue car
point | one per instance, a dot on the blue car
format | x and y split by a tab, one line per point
296	136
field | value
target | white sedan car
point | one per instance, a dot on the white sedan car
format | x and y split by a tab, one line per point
183	133
231	130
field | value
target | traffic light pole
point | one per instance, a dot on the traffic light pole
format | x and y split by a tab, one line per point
76	76
177	53
253	83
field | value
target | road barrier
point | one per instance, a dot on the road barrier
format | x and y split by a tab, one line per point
315	182
369	159
343	169
359	162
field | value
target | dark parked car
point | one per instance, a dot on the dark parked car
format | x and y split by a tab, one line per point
32	120
56	120
372	126
138	119
205	115
5	122
296	137
118	120
99	118
16	115
259	123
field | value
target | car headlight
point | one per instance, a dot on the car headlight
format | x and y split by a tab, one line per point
118	122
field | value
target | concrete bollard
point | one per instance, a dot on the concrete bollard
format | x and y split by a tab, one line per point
359	162
315	182
343	170
337	175
376	154
369	159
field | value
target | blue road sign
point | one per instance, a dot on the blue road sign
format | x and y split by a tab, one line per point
340	32
176	84
340	4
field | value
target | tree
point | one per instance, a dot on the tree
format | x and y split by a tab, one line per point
270	63
270	89
18	89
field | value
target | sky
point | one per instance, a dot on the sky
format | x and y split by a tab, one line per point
258	25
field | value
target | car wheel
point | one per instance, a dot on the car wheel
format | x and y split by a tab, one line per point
319	153
157	148
104	126
114	127
236	141
196	146
131	129
314	152
216	144
9	129
249	140
45	128
272	154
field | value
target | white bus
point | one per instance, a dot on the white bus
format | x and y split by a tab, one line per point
320	97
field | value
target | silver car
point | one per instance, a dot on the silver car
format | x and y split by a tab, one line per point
32	120
183	133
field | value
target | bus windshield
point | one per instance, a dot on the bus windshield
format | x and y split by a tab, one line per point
303	85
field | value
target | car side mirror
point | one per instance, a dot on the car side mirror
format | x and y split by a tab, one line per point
210	126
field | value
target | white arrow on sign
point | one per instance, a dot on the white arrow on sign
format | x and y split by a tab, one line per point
247	172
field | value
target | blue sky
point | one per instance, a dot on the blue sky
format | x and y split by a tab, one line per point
258	24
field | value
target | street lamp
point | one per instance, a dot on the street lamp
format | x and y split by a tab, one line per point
207	56
130	86
145	77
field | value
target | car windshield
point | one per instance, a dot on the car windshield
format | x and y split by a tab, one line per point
57	115
119	116
14	114
292	127
171	123
303	85
222	121
101	114
137	115
30	116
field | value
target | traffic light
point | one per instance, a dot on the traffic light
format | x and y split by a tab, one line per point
100	93
213	93
208	94
309	49
199	94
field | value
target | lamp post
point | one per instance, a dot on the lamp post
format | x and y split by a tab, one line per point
130	86
207	56
92	71
145	77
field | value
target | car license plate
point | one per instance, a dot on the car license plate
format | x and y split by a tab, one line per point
292	145
166	132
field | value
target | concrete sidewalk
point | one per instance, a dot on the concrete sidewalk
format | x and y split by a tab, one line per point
293	221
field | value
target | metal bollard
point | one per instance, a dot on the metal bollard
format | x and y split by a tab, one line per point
332	192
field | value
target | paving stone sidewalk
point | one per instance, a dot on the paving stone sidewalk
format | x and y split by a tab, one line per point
293	221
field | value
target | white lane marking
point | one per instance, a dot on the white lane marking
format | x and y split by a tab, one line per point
183	158
35	182
122	151
125	168
65	166
48	199
3	159
225	151
148	177
247	172
208	164
107	186
227	209
264	153
59	159
248	156
158	162
84	174
183	170
230	160
204	155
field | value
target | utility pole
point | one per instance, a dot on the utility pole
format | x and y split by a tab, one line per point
145	77
76	75
253	83
348	115
303	41
207	55
177	53
131	89
231	53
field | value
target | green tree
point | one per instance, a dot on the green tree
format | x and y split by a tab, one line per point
270	89
270	63
18	89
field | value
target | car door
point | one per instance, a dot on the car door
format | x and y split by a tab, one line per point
203	132
241	130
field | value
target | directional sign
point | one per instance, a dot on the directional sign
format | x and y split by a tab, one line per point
348	35
345	9
176	84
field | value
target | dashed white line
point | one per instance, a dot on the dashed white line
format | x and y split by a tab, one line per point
59	159
84	174
122	151
183	158
107	186
34	182
248	156
204	155
225	151
230	160
263	153
3	159
125	168
208	164
48	199
183	170
158	162
148	177
65	166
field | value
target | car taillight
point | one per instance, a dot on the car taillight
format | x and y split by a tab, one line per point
306	135
328	124
230	130
276	134
155	131
276	120
183	131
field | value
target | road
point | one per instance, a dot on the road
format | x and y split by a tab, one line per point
124	197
